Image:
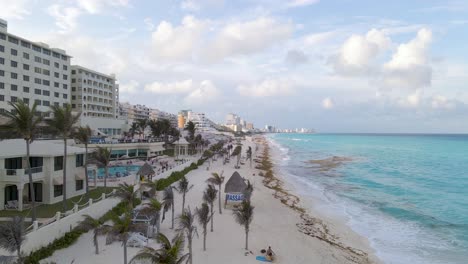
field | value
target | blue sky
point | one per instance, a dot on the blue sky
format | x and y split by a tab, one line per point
336	66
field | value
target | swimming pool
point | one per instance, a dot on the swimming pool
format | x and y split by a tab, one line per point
117	171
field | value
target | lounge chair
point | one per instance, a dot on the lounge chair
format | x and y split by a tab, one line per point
12	204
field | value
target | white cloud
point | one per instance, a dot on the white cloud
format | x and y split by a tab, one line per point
97	6
177	42
296	57
190	5
149	23
297	3
410	65
206	92
318	38
267	88
328	103
441	102
243	38
170	88
65	17
358	52
129	87
16	9
197	5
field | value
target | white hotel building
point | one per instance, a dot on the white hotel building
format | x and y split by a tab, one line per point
32	72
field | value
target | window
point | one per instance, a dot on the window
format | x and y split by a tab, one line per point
79	160
2	36
56	104
13	75
45	103
46	82
14	64
74	89
73	97
65	77
25	44
46	52
14	52
73	72
56	84
64	57
2	85
37	70
26	67
65	86
2	61
2	98
56	55
25	78
26	100
14	87
73	106
14	99
57	65
46	93
65	96
46	62
13	40
79	185
56	75
2	73
38	91
58	163
73	80
46	72
37	59
26	55
56	94
37	48
25	89
58	190
2	48
37	101
65	67
37	80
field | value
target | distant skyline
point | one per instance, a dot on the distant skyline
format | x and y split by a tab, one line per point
335	66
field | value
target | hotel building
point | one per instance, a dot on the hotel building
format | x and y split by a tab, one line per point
32	72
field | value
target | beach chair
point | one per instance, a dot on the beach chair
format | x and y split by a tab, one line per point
12	204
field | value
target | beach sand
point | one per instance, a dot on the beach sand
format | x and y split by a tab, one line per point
274	224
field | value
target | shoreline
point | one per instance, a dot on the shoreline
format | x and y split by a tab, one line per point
331	230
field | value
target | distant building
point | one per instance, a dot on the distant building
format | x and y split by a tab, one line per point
249	126
180	121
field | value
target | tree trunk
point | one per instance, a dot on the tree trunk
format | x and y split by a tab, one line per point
106	171
204	238
125	250
190	248
31	183
18	249
246	239
219	199
86	169
96	242
212	216
183	202
172	207
64	186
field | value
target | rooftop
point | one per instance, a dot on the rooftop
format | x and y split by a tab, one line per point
41	148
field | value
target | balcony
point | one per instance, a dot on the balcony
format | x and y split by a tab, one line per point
21	175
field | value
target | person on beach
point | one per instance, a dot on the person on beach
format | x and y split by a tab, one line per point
269	254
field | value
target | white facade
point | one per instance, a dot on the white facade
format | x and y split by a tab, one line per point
199	120
47	170
32	72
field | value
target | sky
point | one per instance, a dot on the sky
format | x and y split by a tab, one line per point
333	65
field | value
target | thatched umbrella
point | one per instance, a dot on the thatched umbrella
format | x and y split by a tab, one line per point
234	188
146	170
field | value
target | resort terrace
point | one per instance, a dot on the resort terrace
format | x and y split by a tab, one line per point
131	149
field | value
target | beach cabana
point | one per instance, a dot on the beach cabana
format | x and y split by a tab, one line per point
181	147
146	170
234	190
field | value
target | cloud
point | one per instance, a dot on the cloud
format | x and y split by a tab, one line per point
298	3
327	103
16	9
242	38
267	88
65	17
358	52
318	38
129	87
170	88
206	92
97	6
441	102
177	42
149	23
296	57
197	5
410	66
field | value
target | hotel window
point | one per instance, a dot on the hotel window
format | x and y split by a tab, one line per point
56	64
56	84
2	97
58	163
65	96
37	48
37	101
2	48
2	73
56	75
65	67
14	52
46	62
14	87
37	70
46	72
45	103
26	55
2	85
2	36
57	104
46	93
65	86
37	59
56	94
79	160
73	97
14	99
26	101
26	67
13	40
25	89
73	106
2	61
73	80
46	52
46	82
14	64
64	57
37	80
79	185
13	75
65	77
25	78
25	44
56	55
38	91
58	190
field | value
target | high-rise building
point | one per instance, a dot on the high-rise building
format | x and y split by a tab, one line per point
32	72
180	121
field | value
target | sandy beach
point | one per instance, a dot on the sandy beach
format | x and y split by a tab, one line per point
301	235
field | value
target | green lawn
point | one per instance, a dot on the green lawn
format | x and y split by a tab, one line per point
49	210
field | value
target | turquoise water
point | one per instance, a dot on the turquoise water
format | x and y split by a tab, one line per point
408	194
122	170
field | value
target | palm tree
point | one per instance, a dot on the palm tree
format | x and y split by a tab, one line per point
249	155
83	135
153	187
204	217
237	152
63	124
142	124
153	208
183	188
168	203
186	221
121	230
243	216
103	156
24	121
127	194
217	179
98	227
248	191
190	127
209	196
169	253
12	235
133	129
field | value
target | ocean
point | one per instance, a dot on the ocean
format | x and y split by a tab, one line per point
408	194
